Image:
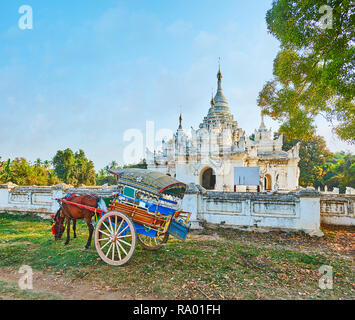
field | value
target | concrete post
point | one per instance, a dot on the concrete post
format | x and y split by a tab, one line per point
57	193
4	196
191	203
310	211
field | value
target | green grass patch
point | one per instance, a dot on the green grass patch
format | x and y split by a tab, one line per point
195	269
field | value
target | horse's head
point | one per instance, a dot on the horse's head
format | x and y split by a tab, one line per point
58	225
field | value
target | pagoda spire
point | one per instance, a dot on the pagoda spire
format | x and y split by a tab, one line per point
262	125
220	99
180	122
219	111
219	76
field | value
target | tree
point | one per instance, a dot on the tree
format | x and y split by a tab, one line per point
5	171
104	177
84	169
140	165
314	71
22	172
313	158
73	168
63	163
341	171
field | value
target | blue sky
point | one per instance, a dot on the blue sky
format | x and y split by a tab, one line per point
90	70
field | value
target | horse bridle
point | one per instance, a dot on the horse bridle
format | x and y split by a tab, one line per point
61	213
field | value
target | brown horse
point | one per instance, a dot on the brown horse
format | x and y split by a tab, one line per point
59	226
70	212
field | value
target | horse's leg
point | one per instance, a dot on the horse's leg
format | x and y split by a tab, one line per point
74	228
91	230
68	232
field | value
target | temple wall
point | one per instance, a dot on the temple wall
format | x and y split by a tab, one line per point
291	211
304	210
338	209
41	200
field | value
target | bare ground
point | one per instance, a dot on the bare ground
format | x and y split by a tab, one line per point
57	285
60	287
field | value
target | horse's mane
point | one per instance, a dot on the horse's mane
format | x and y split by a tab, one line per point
56	215
71	196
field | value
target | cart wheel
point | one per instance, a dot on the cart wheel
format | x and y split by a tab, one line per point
155	243
115	238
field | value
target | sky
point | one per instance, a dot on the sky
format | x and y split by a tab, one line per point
91	71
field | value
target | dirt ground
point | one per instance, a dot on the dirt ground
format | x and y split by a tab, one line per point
59	287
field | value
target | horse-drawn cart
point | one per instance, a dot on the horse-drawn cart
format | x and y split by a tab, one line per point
146	209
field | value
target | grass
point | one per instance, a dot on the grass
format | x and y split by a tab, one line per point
231	268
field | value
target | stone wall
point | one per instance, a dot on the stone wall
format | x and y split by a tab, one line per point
338	209
290	211
41	200
29	199
304	210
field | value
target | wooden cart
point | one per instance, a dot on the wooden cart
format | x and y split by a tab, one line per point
146	210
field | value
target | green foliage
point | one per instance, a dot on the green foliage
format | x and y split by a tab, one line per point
74	168
66	166
314	71
104	177
320	167
313	157
22	172
140	165
340	171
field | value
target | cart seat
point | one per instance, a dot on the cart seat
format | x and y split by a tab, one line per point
161	209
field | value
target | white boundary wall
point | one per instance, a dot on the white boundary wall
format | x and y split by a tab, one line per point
41	200
290	211
304	210
338	209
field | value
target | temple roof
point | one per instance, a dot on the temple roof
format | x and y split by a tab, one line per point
220	99
219	110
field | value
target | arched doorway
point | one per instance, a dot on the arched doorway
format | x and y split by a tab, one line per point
267	182
208	179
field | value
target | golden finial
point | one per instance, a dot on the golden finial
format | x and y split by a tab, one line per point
219	74
212	100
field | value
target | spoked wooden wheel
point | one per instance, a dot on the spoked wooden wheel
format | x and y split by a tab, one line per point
155	243
115	238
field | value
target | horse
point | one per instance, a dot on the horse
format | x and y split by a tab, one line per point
58	225
70	212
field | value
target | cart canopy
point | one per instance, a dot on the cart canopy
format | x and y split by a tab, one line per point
150	181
